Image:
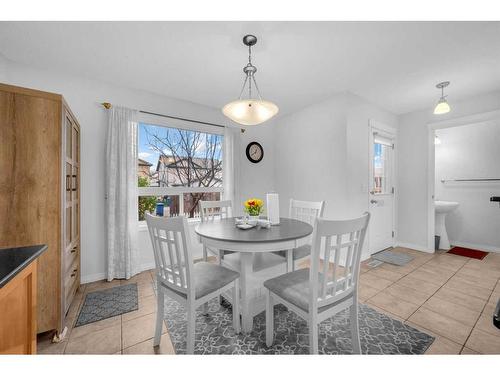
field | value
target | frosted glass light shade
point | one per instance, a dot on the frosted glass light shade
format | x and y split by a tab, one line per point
442	107
250	111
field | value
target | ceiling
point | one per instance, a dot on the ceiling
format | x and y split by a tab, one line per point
393	64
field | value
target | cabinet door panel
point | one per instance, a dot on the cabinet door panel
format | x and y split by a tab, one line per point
67	227
74	184
30	155
69	134
67	182
75	140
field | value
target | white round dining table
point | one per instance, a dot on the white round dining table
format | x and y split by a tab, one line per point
255	247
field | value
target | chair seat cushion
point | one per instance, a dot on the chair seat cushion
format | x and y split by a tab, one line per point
208	277
298	253
293	287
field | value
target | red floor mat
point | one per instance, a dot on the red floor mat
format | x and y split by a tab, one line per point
469	253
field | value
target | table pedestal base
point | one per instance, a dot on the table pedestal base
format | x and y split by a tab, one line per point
254	269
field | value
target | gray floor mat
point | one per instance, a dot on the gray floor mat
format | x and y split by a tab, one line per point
388	256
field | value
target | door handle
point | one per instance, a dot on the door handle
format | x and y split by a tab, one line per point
373	201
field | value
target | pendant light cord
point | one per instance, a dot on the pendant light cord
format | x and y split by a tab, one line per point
249	77
243	87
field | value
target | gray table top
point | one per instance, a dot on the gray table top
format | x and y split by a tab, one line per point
226	230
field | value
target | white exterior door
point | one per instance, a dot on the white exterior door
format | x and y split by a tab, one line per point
381	190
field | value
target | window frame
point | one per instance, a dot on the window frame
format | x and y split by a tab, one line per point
153	120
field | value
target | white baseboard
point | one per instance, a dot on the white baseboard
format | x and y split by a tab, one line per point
415	247
487	248
85	279
147	266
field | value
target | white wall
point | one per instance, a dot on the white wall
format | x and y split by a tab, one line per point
322	153
470	151
84	95
257	179
3	68
413	169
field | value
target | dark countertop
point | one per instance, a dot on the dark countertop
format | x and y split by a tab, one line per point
14	260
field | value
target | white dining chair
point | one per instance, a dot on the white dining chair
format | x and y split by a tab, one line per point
191	284
210	211
307	212
329	286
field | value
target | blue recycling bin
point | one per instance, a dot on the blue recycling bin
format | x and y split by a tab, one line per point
159	209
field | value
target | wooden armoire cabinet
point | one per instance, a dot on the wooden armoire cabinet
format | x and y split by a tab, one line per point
40	192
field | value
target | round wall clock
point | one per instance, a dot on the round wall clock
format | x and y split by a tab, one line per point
255	152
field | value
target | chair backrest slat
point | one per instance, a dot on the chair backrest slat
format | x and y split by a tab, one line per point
180	269
306	211
326	265
210	210
350	251
338	250
348	237
166	259
172	251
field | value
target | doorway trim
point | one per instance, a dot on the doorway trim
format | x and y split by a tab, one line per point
392	133
474	119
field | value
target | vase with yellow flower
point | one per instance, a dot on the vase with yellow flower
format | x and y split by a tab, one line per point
254	207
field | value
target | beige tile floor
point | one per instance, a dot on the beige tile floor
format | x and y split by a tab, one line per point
447	296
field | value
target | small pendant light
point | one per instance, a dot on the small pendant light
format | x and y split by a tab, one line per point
250	111
442	105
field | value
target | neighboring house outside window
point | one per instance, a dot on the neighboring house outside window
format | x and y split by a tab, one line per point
144	168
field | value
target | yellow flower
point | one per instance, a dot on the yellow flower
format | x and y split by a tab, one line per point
254	202
253	205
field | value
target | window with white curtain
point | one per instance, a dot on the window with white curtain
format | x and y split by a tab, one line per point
178	167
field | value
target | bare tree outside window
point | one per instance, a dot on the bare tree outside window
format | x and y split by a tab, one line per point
184	158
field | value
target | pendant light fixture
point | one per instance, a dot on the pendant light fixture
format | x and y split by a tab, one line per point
442	105
250	111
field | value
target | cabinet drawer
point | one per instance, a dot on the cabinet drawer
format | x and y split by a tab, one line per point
71	283
71	275
70	294
70	255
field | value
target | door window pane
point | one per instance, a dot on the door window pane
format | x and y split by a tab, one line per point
382	159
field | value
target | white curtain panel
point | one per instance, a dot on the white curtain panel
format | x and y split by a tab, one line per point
231	168
121	194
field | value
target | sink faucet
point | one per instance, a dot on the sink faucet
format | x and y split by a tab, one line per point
495	199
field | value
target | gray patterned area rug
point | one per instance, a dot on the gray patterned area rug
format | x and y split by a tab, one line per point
107	303
379	334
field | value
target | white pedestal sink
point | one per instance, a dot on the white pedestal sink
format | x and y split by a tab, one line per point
443	208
